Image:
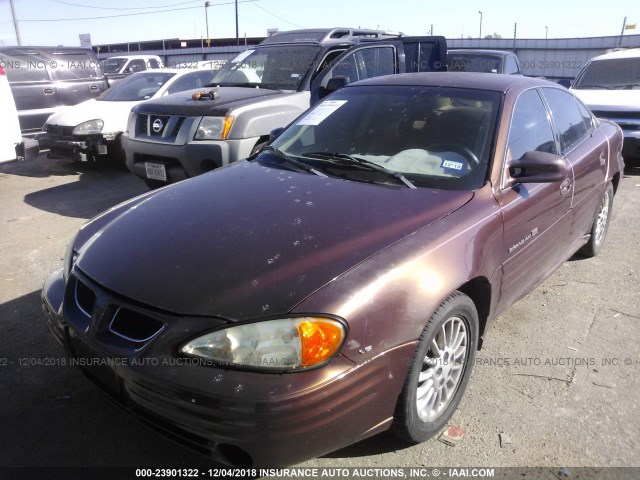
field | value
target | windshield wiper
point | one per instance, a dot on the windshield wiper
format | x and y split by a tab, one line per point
293	161
363	163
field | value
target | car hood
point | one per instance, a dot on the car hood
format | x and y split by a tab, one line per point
114	114
230	97
248	241
609	100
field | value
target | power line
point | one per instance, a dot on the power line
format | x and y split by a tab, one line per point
278	17
124	8
127	14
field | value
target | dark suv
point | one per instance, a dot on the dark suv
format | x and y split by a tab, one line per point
45	78
264	88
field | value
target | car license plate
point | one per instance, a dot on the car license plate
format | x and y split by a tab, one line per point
156	171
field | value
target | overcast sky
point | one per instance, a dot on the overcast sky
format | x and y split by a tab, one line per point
59	22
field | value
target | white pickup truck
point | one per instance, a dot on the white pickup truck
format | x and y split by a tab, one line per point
12	145
610	86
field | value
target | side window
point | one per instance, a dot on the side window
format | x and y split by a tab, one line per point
136	66
511	66
530	128
566	116
153	63
587	118
365	63
24	68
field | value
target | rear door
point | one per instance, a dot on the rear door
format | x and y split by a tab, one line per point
374	58
78	77
585	149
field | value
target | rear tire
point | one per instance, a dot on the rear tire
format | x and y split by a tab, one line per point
440	370
600	225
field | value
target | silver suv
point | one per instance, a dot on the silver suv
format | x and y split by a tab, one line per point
190	133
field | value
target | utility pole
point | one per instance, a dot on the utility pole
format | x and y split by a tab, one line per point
206	19
15	22
546	32
480	34
237	36
431	31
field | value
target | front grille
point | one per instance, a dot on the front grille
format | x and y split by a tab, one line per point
626	120
59	130
177	126
158	126
133	326
85	298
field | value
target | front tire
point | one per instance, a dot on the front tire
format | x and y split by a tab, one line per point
440	370
600	225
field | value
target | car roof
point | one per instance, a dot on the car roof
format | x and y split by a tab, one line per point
479	51
472	80
132	57
629	53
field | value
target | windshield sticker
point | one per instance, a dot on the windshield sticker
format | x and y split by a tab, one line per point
321	112
451	165
242	56
295	75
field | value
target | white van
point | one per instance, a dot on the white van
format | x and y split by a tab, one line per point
9	124
610	86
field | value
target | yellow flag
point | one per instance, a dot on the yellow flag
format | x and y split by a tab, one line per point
631	26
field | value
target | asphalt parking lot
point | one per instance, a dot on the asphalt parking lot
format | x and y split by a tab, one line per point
558	376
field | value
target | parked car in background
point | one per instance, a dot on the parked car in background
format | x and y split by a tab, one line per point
43	79
339	283
120	67
610	86
91	130
261	89
483	61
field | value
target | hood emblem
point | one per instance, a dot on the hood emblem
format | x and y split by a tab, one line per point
157	125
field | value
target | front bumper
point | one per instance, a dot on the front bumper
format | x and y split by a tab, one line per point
182	161
241	418
77	148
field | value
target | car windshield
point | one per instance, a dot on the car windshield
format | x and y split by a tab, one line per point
618	73
140	86
113	65
461	62
431	136
275	67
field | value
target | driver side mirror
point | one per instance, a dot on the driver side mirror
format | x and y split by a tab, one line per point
275	133
538	167
335	83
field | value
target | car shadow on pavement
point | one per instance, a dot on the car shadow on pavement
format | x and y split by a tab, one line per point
53	416
98	186
384	442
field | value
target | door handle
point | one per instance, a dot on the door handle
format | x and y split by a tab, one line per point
48	91
565	187
93	87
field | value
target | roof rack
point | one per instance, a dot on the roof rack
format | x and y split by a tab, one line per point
328	35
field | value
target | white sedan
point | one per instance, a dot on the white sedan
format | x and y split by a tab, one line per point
91	130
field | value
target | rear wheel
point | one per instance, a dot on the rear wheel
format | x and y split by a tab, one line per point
440	370
600	225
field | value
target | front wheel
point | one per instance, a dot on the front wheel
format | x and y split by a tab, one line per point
440	370
600	225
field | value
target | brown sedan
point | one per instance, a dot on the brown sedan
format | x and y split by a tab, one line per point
339	283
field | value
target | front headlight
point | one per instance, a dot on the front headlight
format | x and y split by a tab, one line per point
282	344
69	258
214	128
87	128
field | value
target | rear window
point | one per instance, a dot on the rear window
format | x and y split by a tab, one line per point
463	62
24	68
74	66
